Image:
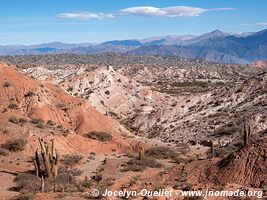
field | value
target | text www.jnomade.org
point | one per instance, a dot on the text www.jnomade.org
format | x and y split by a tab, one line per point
171	193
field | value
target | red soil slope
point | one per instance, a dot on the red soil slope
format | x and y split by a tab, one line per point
35	99
247	166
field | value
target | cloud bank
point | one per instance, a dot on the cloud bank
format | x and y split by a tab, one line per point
262	24
174	11
85	15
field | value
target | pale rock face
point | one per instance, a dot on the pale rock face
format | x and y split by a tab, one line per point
137	97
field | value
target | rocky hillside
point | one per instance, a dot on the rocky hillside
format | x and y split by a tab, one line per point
173	104
247	166
30	108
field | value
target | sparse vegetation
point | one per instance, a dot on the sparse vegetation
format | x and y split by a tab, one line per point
3	152
6	84
37	121
23	121
14	145
62	106
71	160
40	125
26	196
50	123
13	120
135	164
29	94
100	136
161	153
13	106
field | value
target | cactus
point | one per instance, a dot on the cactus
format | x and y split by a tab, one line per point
212	149
249	132
141	154
246	135
50	162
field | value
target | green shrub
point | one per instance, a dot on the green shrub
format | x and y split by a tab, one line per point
100	136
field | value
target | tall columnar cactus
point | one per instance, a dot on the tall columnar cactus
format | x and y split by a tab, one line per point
50	160
246	135
249	132
141	154
212	154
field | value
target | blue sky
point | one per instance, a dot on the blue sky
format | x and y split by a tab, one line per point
36	21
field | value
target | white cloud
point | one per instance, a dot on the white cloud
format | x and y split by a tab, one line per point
262	24
253	24
85	15
175	11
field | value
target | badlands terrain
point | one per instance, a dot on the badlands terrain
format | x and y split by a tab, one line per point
131	122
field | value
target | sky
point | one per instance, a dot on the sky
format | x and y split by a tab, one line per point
74	21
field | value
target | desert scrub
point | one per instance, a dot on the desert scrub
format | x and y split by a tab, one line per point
14	145
226	130
13	120
50	123
70	160
100	136
29	94
136	165
13	106
26	196
37	121
62	106
23	121
6	84
3	152
40	125
161	153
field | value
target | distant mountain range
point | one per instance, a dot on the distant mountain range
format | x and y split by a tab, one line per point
215	46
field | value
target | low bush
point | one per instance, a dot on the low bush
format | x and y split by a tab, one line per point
13	120
226	130
161	153
14	145
40	125
29	94
23	121
37	121
71	160
13	106
3	152
135	164
27	182
26	196
50	123
100	136
6	84
66	180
